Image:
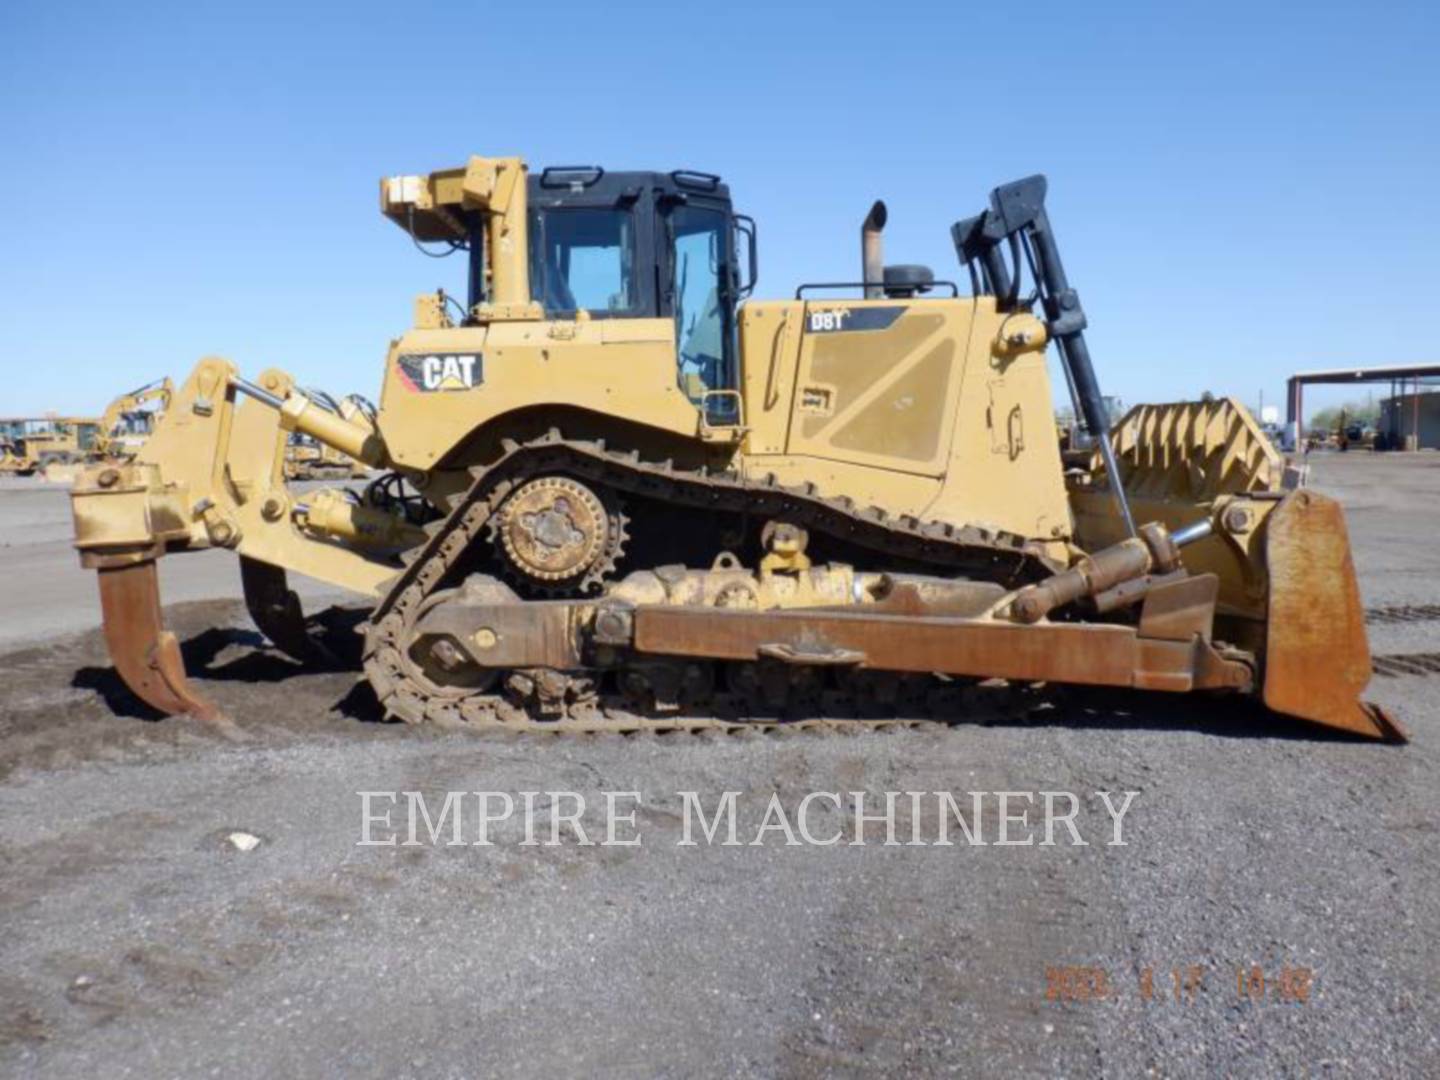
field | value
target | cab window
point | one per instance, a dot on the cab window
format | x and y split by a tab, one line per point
702	329
586	261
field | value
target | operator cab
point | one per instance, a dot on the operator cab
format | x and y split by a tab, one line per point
643	245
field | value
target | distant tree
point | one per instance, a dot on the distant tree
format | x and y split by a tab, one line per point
1356	412
1367	412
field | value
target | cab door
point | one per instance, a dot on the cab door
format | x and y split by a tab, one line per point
701	294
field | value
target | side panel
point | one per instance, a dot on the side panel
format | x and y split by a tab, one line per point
1005	468
440	385
908	405
771	336
877	382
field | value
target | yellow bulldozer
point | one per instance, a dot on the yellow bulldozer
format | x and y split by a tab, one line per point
29	444
57	446
14	461
131	417
617	493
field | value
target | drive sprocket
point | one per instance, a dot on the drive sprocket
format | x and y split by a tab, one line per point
558	535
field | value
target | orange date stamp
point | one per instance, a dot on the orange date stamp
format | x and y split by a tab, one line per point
1181	984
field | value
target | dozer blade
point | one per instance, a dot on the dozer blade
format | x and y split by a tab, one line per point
1317	659
146	655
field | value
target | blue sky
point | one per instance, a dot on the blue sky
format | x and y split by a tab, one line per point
1239	190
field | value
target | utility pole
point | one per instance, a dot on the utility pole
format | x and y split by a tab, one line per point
1415	411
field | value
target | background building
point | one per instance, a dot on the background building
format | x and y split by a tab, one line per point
1408	414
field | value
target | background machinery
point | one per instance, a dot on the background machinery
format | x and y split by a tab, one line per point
32	443
13	460
130	418
616	493
55	445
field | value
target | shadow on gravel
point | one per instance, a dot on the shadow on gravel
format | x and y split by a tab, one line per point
259	664
1136	710
116	695
360	704
256	661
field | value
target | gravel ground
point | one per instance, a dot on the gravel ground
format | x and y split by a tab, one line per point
138	942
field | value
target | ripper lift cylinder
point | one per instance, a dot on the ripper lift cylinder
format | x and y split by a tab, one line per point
299	413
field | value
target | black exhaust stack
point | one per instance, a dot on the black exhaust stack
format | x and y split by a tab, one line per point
872	251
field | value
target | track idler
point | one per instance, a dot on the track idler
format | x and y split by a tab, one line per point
145	654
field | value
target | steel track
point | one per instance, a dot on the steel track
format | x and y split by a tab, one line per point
585	701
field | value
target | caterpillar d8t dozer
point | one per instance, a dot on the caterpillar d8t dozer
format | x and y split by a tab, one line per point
617	493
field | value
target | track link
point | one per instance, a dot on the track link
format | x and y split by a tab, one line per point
581	702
